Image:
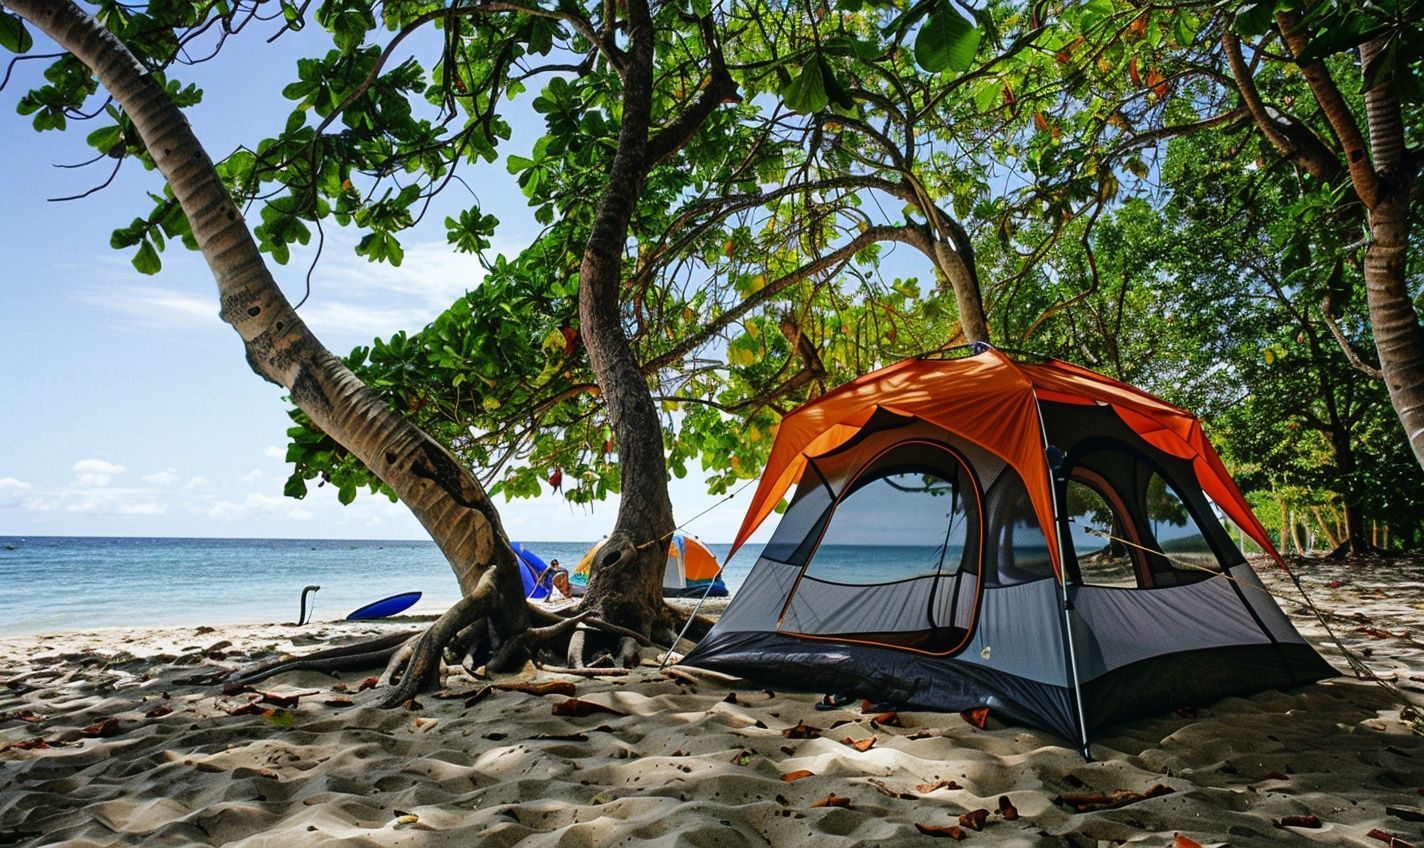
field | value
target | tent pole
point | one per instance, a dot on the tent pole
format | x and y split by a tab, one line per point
1055	460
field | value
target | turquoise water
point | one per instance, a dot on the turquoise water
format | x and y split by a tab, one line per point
53	583
50	583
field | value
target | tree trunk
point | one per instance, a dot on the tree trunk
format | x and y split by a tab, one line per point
1399	337
447	500
625	587
1353	542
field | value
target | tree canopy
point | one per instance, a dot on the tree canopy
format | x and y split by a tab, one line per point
1172	194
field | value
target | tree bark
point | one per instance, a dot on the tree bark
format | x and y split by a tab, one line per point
626	584
447	500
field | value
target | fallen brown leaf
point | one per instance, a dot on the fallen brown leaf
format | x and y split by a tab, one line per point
940	830
339	701
1277	775
927	788
1180	841
576	708
793	776
368	683
1297	821
1388	838
1083	803
832	800
482	693
158	712
890	719
38	743
801	730
103	729
411	705
26	714
277	699
1007	809
551	687
861	745
979	717
974	819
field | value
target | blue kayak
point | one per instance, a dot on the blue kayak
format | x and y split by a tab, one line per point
385	607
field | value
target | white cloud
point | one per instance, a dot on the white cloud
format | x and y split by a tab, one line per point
13	491
274	452
258	504
335	317
166	477
97	501
254	474
432	274
195	482
95	472
156	307
145	508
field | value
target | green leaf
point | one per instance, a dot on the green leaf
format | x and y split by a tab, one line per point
146	261
807	92
13	35
296	487
346	494
836	92
946	41
1184	28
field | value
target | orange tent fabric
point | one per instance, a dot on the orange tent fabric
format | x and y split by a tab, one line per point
698	563
992	400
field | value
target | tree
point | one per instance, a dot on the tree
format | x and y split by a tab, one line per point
439	490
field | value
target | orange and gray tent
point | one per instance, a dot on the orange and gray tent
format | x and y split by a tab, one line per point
692	569
1017	533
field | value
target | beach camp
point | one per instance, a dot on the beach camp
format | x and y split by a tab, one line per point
737	424
1011	532
692	570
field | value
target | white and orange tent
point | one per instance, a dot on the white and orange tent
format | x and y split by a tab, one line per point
692	569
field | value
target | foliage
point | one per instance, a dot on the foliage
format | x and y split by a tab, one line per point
1021	147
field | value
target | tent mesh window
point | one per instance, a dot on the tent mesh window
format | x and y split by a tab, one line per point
894	558
1132	524
1106	547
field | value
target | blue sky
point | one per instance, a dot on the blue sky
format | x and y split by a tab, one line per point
126	406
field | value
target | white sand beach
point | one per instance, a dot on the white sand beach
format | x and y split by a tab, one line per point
99	746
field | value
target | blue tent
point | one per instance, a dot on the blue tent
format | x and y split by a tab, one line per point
533	568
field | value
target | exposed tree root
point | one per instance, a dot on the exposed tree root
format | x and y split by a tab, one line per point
358	655
424	664
469	634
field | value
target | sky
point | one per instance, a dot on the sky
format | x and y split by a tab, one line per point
127	408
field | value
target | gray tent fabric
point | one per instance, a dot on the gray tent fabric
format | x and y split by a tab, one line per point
909	568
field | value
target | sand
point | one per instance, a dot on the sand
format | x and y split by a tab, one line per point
676	762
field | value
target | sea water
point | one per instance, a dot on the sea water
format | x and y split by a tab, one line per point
53	583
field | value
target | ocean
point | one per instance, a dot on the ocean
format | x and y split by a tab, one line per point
53	583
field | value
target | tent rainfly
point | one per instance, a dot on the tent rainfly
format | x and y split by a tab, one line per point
692	569
1020	534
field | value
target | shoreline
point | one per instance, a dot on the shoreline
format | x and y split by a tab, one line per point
132	757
